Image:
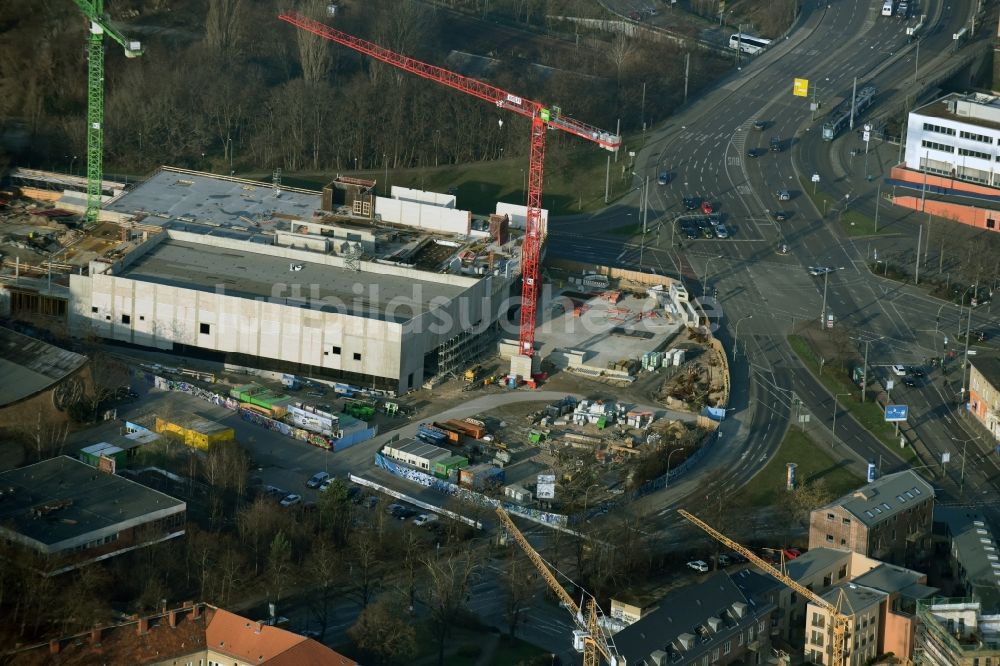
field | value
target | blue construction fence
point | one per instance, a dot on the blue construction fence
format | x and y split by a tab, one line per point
446	488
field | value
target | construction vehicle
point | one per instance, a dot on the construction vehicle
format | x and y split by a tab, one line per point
542	118
99	26
841	622
472	374
589	631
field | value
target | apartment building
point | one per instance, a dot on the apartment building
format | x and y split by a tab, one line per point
725	619
955	632
972	555
890	519
862	605
193	634
984	393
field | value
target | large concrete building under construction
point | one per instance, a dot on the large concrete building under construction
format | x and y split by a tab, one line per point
342	285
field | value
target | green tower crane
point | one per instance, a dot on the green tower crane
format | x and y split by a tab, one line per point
99	26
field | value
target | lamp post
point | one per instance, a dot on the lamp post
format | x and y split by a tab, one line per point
736	334
965	444
669	455
708	273
229	149
968	331
835	408
385	162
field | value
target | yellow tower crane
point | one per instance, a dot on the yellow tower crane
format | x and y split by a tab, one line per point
840	620
594	641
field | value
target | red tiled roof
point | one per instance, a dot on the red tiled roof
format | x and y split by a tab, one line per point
215	629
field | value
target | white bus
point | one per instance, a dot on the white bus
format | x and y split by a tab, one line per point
887	8
748	43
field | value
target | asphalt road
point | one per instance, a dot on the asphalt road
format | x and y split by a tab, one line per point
764	293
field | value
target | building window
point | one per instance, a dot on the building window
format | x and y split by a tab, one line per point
965	152
846	521
335	350
843	542
991	224
409	380
829	516
357	356
727	648
715	654
205	329
843	572
817	638
93	308
934	145
929	127
704	660
976	137
827	580
829	538
760	627
142	317
739	638
750	633
126	319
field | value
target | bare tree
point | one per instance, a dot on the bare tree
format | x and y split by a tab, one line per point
324	567
364	560
619	53
224	24
449	584
383	632
257	525
107	376
279	565
521	584
315	53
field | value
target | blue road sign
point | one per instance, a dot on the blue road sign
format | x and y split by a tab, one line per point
896	412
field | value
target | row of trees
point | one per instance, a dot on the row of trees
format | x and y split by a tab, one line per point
223	83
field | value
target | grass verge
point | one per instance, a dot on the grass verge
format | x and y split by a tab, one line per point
835	379
854	222
813	464
574	179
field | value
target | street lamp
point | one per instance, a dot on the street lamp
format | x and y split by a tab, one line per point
229	149
965	444
708	273
736	334
669	455
835	407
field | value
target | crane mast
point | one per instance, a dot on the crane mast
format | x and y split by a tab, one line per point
840	621
594	643
93	10
541	116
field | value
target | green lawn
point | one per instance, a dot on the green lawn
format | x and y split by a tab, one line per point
854	222
836	381
813	464
573	182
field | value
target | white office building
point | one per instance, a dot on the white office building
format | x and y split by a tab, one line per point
957	136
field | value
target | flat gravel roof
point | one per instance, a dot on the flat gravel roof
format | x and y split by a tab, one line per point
258	275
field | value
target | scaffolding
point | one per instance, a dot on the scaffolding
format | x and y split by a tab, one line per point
456	353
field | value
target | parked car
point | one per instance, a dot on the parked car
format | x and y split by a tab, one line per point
291	500
275	492
698	565
707	230
692	203
898	370
317	479
424	518
706	207
725	560
323	487
721	231
791	553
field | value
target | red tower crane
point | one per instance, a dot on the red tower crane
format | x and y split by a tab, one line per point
541	117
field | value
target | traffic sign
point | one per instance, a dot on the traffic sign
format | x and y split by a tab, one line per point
896	413
815	178
866	136
800	87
